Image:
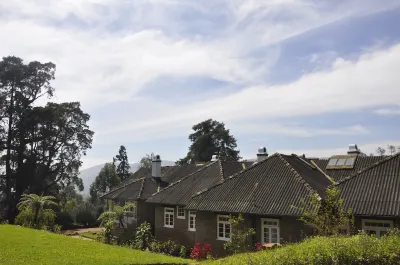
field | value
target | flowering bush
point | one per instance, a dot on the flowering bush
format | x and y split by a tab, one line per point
258	246
201	251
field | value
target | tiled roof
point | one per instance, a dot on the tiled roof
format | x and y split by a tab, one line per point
180	192
374	191
141	185
270	187
339	174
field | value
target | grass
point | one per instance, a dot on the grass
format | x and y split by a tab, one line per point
90	235
355	250
19	245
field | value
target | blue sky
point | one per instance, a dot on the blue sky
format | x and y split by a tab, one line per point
292	75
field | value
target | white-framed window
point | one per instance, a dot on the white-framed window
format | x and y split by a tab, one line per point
168	217
131	210
376	227
270	231
223	227
192	221
180	212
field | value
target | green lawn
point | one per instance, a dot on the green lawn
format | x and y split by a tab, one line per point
90	235
19	245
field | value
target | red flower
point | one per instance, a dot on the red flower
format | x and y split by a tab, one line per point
200	252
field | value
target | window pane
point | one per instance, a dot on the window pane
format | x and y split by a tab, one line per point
332	161
350	161
341	162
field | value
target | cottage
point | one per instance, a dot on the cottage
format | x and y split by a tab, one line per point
267	193
142	185
171	219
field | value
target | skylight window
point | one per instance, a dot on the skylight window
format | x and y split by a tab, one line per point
332	162
341	162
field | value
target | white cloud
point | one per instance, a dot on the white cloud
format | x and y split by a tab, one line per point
349	86
388	111
107	51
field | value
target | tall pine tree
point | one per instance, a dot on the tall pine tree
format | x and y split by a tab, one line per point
123	168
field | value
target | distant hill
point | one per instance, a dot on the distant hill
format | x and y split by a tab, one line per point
89	175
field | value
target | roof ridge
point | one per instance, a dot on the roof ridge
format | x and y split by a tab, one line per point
233	176
141	189
187	176
368	168
221	169
297	175
123	186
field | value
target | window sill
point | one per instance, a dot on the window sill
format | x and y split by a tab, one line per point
223	239
181	217
192	230
168	226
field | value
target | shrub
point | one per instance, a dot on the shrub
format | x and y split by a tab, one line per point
143	236
240	236
45	218
105	236
64	219
201	251
168	247
361	249
85	218
328	216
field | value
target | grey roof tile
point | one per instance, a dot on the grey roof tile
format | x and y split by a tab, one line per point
270	187
375	190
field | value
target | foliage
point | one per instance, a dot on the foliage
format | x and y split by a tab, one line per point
64	219
381	151
43	145
240	236
44	219
86	218
201	251
146	160
105	180
20	245
117	214
33	212
105	236
168	247
143	236
123	168
211	138
328	216
258	246
335	250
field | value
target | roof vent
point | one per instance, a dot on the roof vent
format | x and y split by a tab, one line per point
353	149
214	158
262	154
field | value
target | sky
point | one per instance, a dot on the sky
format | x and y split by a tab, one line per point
295	76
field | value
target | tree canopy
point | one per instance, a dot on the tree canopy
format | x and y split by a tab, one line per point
210	138
145	161
123	168
41	146
105	180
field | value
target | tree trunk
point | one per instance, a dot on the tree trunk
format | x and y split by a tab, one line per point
9	199
36	216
